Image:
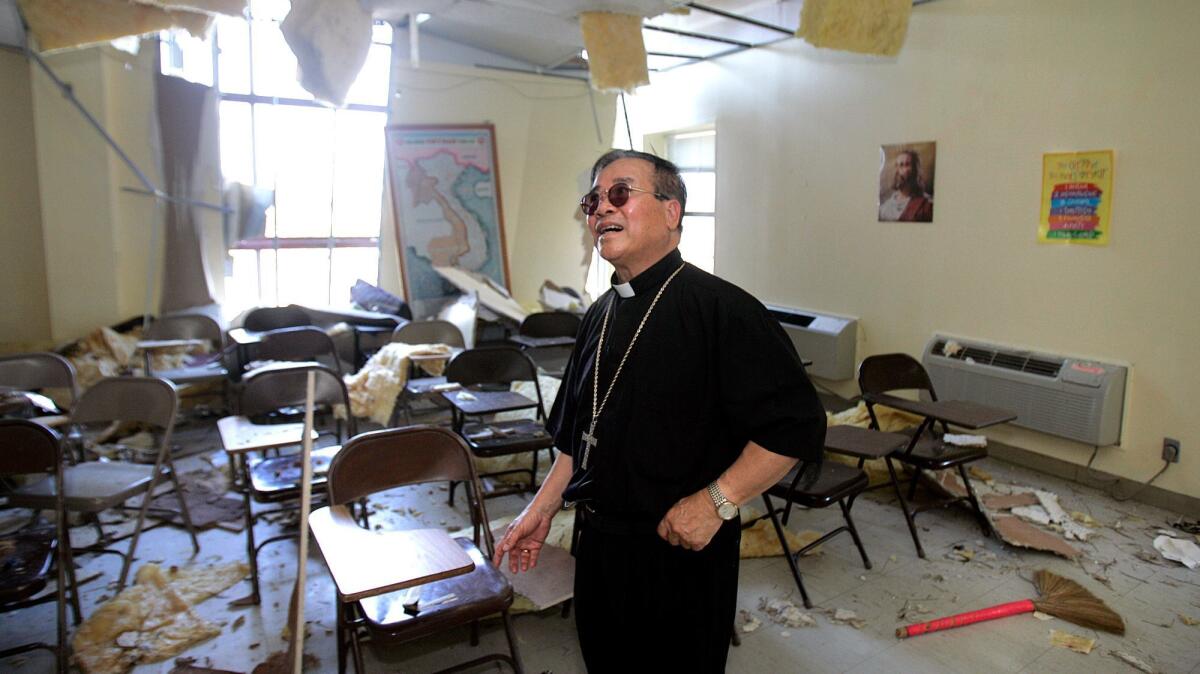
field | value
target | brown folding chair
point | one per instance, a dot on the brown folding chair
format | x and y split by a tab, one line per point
550	324
549	337
816	485
30	555
277	479
429	332
95	486
298	344
374	462
879	375
208	368
421	388
262	319
37	371
498	368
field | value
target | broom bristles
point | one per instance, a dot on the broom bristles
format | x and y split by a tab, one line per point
1064	598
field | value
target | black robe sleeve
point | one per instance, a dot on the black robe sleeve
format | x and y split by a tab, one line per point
765	392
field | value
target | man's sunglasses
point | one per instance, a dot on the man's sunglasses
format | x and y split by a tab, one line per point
618	194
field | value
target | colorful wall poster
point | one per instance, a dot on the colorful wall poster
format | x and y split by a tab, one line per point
446	194
1076	197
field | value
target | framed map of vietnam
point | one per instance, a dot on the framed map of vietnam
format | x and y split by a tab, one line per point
446	198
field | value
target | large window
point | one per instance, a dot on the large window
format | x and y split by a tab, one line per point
695	153
325	165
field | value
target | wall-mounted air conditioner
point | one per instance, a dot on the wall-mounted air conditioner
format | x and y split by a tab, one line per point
1070	397
828	341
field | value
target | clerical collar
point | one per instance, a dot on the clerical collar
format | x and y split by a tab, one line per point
649	279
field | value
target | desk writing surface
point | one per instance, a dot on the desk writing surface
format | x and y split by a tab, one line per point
242	336
541	342
153	344
862	442
367	563
958	412
239	435
487	402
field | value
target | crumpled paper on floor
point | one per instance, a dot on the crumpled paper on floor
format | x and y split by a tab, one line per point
1178	550
152	620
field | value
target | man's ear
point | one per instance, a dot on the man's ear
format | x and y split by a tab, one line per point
673	212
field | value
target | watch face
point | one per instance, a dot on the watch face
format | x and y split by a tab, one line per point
727	511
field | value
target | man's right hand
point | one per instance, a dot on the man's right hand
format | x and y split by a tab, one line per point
523	540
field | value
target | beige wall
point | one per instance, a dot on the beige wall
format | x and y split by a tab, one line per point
546	138
996	84
96	236
25	321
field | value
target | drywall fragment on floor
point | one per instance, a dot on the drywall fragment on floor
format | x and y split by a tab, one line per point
1077	643
1014	531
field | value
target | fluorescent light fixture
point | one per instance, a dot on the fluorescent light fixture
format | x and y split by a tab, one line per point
422	17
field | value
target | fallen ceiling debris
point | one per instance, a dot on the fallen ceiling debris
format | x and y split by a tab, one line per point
863	26
63	24
616	51
151	620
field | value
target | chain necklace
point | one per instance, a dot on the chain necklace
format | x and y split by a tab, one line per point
589	437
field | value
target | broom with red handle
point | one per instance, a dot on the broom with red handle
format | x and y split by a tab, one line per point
1060	597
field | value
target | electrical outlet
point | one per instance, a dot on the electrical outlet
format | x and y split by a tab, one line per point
1170	450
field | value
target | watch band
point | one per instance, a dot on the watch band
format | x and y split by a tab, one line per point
726	509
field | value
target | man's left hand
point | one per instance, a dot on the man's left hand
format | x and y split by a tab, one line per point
691	522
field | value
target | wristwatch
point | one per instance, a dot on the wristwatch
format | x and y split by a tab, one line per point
726	509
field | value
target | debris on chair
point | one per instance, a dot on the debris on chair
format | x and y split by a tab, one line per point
1178	550
784	612
1075	642
374	388
845	616
966	440
151	620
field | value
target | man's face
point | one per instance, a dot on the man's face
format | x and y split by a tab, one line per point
639	233
904	171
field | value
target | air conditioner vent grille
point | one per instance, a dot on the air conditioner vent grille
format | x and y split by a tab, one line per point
1009	360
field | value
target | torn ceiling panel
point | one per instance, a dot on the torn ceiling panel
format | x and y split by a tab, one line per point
542	34
617	55
227	7
63	24
331	39
862	26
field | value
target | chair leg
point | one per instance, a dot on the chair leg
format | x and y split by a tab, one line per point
787	552
72	582
341	633
512	642
912	485
356	648
983	521
453	484
183	506
62	560
846	504
908	515
251	549
141	520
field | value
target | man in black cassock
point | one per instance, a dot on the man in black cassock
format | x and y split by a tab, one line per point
699	404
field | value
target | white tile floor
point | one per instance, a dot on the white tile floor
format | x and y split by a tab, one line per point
1150	595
